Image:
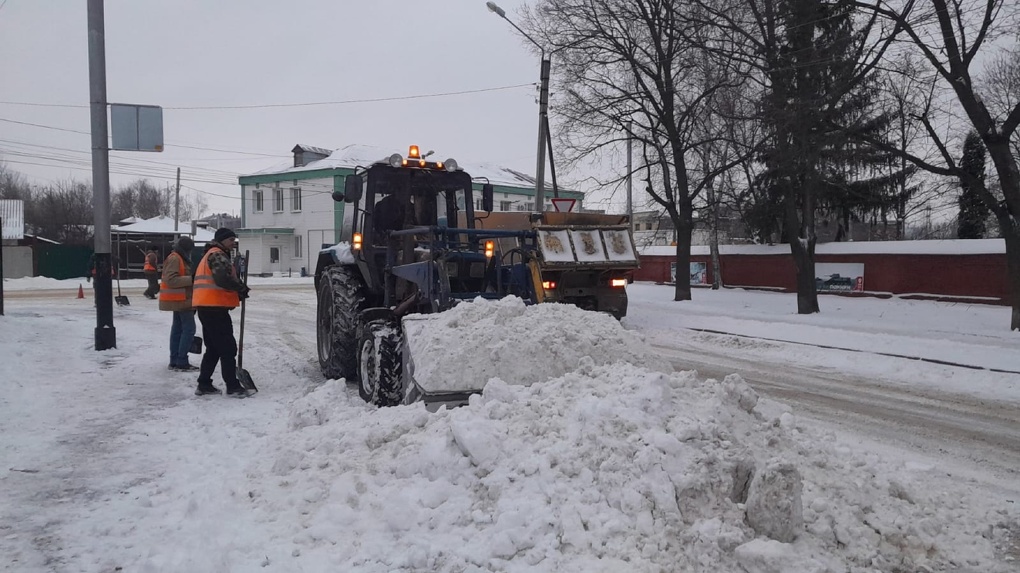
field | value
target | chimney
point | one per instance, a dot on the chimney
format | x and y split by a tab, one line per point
305	154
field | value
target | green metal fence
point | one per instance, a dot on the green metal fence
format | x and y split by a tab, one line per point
62	261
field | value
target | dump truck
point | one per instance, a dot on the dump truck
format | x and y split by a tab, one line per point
585	259
399	258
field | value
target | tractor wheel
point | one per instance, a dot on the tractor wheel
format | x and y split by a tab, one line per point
380	364
341	300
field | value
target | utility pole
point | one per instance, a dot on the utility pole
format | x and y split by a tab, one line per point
1	268
630	178
105	333
543	112
177	200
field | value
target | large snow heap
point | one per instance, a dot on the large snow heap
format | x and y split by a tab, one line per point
607	466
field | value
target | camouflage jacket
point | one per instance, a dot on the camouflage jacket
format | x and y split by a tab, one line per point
222	270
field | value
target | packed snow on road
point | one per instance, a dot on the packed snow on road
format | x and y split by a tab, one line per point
590	449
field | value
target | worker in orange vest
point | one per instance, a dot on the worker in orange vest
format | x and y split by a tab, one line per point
151	270
217	291
175	294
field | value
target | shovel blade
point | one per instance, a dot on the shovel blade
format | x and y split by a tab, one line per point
122	300
244	378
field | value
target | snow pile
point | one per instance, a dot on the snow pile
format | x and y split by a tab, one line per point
606	468
466	346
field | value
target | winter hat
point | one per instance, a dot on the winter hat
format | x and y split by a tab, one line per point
185	244
223	234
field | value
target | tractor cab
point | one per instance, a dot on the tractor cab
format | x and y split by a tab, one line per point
403	243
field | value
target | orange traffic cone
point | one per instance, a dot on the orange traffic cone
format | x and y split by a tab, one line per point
81	292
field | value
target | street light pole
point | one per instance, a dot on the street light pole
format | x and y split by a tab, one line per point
543	109
105	333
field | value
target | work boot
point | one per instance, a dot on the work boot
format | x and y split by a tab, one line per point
203	390
184	368
239	392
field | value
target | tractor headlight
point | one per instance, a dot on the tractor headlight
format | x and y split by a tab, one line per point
450	164
395	160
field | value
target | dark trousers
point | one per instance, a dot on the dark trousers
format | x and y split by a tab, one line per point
220	346
153	278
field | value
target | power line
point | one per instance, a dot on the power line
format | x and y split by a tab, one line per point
350	101
168	144
209	192
44	126
208	170
293	104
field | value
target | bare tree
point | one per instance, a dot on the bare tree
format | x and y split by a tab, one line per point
950	36
634	69
1001	84
63	212
13	185
142	199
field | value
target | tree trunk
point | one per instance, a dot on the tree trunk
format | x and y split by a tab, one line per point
713	221
1011	232
684	227
804	258
802	246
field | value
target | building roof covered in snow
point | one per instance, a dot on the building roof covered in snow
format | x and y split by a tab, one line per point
164	226
356	155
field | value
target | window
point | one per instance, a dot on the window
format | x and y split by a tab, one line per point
478	205
274	254
505	205
256	199
278	200
295	200
298	252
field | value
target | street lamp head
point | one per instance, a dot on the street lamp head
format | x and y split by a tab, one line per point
493	7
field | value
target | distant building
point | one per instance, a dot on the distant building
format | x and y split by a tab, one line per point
288	214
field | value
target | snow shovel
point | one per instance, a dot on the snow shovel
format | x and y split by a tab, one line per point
243	377
120	299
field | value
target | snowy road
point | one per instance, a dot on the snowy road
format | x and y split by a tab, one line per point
965	419
976	433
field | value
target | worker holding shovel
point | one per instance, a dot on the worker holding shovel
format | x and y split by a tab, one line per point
217	291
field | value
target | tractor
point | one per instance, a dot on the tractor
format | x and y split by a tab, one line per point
412	244
398	257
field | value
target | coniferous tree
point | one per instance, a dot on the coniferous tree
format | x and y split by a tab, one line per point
973	213
818	89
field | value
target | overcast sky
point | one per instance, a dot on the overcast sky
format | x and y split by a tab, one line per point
248	52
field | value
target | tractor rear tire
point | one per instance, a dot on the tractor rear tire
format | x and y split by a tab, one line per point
341	300
380	363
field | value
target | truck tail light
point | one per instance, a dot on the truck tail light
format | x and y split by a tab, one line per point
618	283
549	285
356	242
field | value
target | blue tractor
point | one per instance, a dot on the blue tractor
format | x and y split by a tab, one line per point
409	246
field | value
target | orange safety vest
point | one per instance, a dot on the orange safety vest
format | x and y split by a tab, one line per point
206	293
150	262
173	294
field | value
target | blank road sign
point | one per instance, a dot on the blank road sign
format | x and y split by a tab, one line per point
136	127
562	205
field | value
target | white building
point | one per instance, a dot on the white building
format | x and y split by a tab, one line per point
288	213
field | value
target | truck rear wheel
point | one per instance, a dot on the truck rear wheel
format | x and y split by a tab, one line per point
380	364
341	300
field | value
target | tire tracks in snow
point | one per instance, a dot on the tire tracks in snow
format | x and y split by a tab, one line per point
967	429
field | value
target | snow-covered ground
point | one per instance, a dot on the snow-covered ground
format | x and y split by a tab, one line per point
110	463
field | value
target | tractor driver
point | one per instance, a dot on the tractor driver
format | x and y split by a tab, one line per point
387	216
